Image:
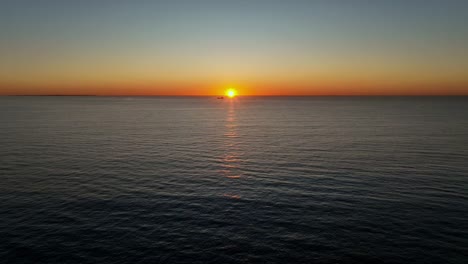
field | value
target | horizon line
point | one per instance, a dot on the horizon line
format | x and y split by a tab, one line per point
257	95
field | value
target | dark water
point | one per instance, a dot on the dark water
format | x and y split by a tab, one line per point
255	180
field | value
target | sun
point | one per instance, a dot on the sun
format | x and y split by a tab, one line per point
231	93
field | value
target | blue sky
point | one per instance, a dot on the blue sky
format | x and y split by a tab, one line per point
302	43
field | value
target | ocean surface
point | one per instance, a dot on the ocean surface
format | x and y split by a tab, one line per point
249	180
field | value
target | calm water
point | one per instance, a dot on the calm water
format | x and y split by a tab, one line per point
254	180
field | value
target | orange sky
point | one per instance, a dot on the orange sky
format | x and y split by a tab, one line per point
202	48
201	89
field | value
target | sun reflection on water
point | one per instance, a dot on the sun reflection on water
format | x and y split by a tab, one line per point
232	157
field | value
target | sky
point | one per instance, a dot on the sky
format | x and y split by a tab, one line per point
260	47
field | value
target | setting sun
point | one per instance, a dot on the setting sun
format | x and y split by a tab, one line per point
231	93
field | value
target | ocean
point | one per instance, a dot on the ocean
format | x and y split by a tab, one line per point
249	180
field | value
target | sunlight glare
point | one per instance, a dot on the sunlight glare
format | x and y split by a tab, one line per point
231	93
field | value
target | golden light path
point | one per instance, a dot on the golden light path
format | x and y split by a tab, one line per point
232	158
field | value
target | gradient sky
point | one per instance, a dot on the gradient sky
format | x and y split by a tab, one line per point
197	47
